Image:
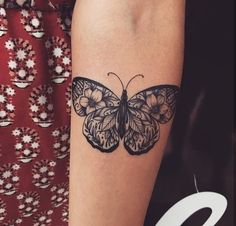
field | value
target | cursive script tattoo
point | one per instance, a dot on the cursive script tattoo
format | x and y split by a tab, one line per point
109	119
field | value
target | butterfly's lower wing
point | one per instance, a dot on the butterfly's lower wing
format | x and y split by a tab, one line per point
99	105
100	129
142	133
146	111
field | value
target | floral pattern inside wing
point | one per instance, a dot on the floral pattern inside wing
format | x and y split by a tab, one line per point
92	100
157	107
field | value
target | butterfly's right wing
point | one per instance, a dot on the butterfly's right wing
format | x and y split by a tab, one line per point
99	105
147	110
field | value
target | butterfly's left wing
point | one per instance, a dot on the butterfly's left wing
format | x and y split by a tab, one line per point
146	110
99	105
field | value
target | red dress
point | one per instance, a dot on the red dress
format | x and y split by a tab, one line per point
35	75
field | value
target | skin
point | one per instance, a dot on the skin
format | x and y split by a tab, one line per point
128	38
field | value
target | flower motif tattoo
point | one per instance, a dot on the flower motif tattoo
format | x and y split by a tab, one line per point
156	106
92	100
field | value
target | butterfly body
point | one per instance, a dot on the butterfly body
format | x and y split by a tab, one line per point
122	115
109	119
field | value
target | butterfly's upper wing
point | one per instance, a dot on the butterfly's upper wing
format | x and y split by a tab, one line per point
146	110
99	105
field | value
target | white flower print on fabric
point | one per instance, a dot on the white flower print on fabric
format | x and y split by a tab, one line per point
41	106
3	22
3	211
43	218
7	109
27	144
21	62
9	179
28	203
13	222
9	45
59	59
61	145
10	107
43	173
2	98
32	22
64	19
68	99
60	194
65	213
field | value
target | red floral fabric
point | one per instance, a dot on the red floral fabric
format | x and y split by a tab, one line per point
35	75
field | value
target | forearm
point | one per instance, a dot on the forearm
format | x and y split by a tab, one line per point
126	38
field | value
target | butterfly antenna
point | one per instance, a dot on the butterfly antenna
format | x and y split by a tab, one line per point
138	75
112	73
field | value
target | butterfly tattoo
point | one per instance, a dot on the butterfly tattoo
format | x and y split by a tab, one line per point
110	119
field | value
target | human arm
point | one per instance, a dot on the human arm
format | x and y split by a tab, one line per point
128	38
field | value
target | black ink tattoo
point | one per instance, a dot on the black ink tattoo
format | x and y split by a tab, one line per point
109	119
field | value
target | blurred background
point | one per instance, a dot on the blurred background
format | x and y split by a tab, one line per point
202	134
